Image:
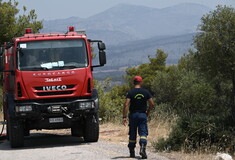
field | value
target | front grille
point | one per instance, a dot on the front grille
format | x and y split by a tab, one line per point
53	100
54	93
41	88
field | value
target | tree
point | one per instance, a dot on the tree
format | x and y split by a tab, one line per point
12	25
202	113
215	46
148	70
111	100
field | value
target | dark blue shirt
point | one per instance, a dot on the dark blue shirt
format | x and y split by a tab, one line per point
139	98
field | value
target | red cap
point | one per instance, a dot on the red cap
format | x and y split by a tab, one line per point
138	79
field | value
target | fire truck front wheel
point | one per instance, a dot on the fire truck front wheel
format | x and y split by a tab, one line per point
91	131
16	133
77	129
8	132
26	132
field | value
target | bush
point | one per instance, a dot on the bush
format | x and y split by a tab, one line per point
204	114
111	100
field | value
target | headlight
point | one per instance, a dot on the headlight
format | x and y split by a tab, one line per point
86	105
27	108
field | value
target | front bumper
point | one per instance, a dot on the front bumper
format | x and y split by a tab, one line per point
72	109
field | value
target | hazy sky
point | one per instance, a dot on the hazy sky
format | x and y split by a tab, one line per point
57	9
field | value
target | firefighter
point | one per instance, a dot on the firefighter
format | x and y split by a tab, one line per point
136	101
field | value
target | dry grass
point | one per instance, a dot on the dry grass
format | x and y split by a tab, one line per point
189	156
1	116
114	133
118	134
160	128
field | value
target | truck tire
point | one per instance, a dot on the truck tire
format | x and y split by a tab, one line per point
77	129
26	132
91	131
16	133
8	132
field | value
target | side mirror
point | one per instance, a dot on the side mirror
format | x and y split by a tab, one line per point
102	54
1	50
1	63
9	45
1	58
102	57
101	46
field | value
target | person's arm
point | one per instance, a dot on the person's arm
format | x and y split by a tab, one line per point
125	111
151	105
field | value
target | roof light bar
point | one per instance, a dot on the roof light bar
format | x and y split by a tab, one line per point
71	28
28	30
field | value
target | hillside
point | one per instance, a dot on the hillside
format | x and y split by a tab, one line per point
124	22
134	53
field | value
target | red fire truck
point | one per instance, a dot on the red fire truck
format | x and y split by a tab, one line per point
48	84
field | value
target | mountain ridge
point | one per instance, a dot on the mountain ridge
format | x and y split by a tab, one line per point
125	22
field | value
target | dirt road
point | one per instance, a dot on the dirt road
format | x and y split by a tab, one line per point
44	146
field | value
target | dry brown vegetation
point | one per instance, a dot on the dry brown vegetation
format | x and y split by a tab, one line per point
1	116
117	133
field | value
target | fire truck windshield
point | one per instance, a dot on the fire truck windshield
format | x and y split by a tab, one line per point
52	55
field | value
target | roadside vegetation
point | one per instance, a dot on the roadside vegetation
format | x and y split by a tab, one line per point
199	90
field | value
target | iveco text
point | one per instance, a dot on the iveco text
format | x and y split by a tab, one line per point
54	88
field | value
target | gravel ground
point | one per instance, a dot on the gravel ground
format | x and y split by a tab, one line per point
58	144
44	146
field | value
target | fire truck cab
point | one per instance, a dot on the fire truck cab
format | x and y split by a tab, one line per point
48	84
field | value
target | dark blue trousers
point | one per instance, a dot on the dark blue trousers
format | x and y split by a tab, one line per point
137	121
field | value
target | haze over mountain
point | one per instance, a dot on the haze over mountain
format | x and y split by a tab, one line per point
133	32
126	22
